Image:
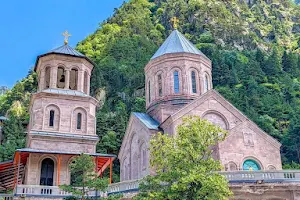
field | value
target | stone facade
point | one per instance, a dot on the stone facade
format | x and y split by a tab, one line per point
62	116
179	84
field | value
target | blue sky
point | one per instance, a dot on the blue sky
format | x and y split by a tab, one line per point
33	27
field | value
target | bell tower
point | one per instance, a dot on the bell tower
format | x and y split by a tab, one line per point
176	74
62	112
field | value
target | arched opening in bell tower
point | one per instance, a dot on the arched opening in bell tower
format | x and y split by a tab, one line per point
73	79
47	77
61	77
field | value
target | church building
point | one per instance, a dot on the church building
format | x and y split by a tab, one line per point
62	125
178	83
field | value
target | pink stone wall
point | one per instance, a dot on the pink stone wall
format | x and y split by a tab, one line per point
134	155
165	66
244	141
66	108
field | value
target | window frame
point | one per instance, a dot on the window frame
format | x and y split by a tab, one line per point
79	121
194	82
176	82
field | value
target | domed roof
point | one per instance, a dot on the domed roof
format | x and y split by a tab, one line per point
177	43
65	50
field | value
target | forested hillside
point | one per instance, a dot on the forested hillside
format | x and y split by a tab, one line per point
253	44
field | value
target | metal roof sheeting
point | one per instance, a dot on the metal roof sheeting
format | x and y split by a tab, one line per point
177	43
66	49
65	135
147	120
66	92
29	150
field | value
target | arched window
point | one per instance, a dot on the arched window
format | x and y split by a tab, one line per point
85	88
47	172
61	77
206	83
149	92
176	82
51	118
144	158
231	166
194	85
159	85
79	119
73	79
251	165
47	77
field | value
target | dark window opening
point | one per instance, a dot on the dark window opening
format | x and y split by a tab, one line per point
79	119
176	82
51	118
194	85
159	85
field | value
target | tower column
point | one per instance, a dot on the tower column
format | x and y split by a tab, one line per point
53	77
80	80
88	84
67	79
42	80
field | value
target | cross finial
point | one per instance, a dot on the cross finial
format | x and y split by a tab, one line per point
175	22
67	35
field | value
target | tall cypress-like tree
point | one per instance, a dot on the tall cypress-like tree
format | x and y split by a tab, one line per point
289	62
14	138
272	67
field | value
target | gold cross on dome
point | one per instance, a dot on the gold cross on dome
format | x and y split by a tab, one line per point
175	22
67	35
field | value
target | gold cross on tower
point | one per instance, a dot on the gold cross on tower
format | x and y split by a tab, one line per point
175	22
67	35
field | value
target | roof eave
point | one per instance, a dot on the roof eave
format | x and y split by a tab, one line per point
55	53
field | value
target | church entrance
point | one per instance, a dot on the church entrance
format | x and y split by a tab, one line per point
47	171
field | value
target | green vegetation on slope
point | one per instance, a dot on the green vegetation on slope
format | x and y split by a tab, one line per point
253	45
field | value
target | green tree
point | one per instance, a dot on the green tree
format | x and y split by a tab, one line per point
292	139
85	178
14	137
185	168
289	62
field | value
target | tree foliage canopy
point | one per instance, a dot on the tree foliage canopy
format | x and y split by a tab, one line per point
184	164
82	168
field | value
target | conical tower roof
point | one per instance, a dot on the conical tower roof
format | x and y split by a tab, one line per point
65	50
177	43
